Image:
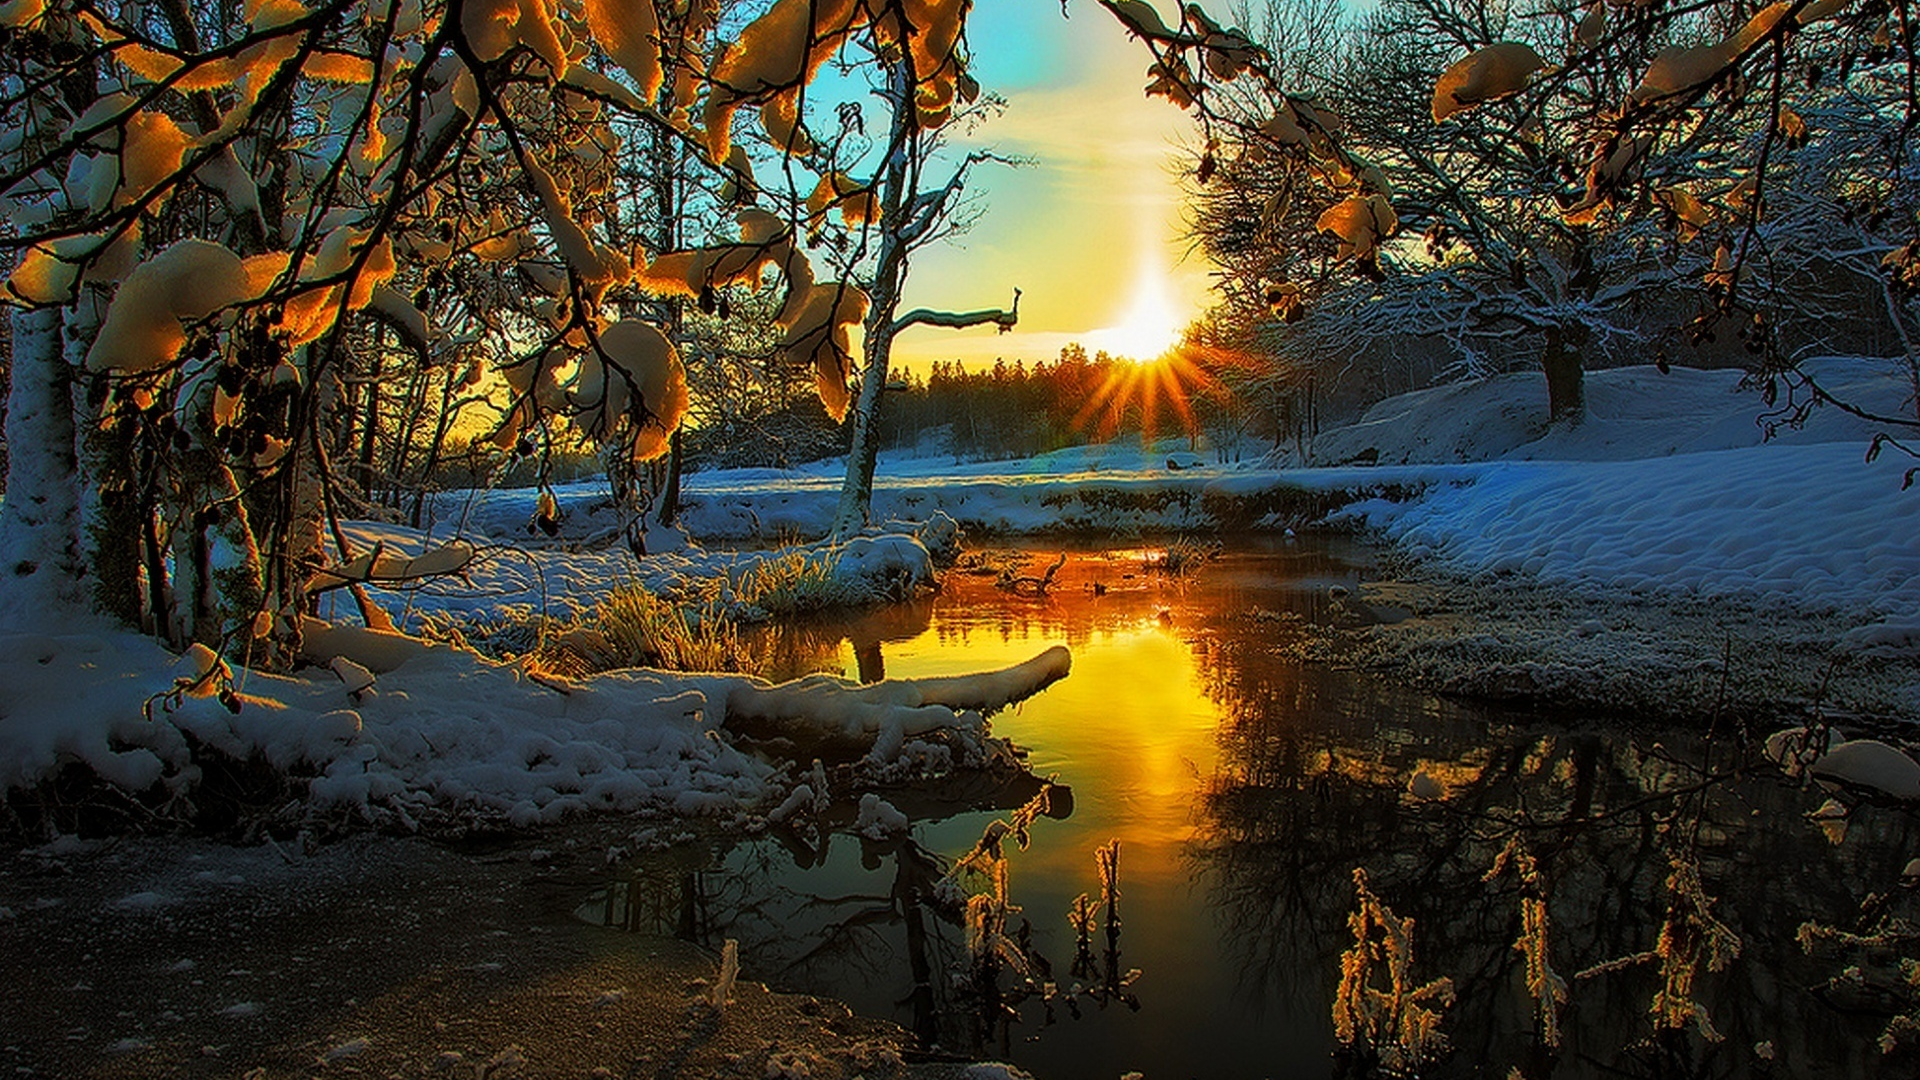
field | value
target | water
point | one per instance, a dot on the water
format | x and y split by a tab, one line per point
1245	787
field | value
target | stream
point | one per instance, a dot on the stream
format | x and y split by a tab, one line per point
1245	787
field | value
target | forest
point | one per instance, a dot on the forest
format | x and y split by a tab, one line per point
489	585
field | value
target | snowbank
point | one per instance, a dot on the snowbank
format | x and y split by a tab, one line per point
1812	527
1633	412
444	732
1115	487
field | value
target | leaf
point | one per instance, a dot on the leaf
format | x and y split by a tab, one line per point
1497	71
1593	26
1678	70
1873	448
1360	222
1821	9
1174	81
628	30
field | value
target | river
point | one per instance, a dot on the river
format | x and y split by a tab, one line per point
1245	787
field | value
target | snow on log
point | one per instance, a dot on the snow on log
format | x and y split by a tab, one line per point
836	706
378	568
378	651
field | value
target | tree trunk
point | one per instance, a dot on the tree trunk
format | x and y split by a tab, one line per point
856	492
370	433
41	557
670	498
1566	381
116	502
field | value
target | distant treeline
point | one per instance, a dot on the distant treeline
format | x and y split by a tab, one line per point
1001	410
1015	409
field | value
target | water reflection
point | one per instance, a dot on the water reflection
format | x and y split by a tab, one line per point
949	925
1245	788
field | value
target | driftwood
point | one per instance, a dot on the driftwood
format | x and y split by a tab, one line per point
1027	583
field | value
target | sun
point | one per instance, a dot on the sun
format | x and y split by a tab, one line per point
1152	326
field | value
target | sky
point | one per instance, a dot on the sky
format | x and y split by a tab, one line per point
1090	232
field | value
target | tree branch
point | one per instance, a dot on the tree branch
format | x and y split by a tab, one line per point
960	320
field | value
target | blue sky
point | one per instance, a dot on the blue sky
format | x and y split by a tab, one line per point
1090	231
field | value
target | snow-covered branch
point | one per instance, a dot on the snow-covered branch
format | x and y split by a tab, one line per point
1005	318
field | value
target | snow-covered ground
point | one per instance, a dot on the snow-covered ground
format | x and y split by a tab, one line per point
1672	483
1667	490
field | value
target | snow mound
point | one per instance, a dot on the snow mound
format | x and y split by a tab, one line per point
450	734
1809	526
1632	412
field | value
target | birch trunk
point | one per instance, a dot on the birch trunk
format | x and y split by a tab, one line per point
41	557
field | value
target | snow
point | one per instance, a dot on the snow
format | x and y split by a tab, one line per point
1872	766
1667	488
1805	525
879	819
449	732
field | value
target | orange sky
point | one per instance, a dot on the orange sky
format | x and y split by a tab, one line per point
1089	232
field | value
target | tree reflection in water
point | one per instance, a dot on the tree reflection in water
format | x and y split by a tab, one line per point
1652	856
1247	786
974	964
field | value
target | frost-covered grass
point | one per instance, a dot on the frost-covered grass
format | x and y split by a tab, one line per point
789	582
634	628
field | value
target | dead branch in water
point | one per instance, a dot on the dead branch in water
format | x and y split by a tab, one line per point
1027	583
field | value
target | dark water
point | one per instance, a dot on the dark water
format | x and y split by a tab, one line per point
1245	788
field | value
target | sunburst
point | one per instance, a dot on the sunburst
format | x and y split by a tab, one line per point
1153	322
1162	389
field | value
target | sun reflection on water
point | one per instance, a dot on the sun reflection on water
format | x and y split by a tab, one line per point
1245	788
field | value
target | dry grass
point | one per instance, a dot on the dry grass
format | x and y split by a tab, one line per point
796	581
634	628
1184	557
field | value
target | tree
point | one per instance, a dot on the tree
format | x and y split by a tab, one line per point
1673	118
225	229
911	214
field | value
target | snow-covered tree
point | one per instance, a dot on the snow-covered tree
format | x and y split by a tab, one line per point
1555	142
230	230
910	211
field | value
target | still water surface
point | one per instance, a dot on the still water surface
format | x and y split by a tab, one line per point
1245	788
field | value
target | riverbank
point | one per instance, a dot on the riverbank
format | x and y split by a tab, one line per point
382	956
1687	546
1681	659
